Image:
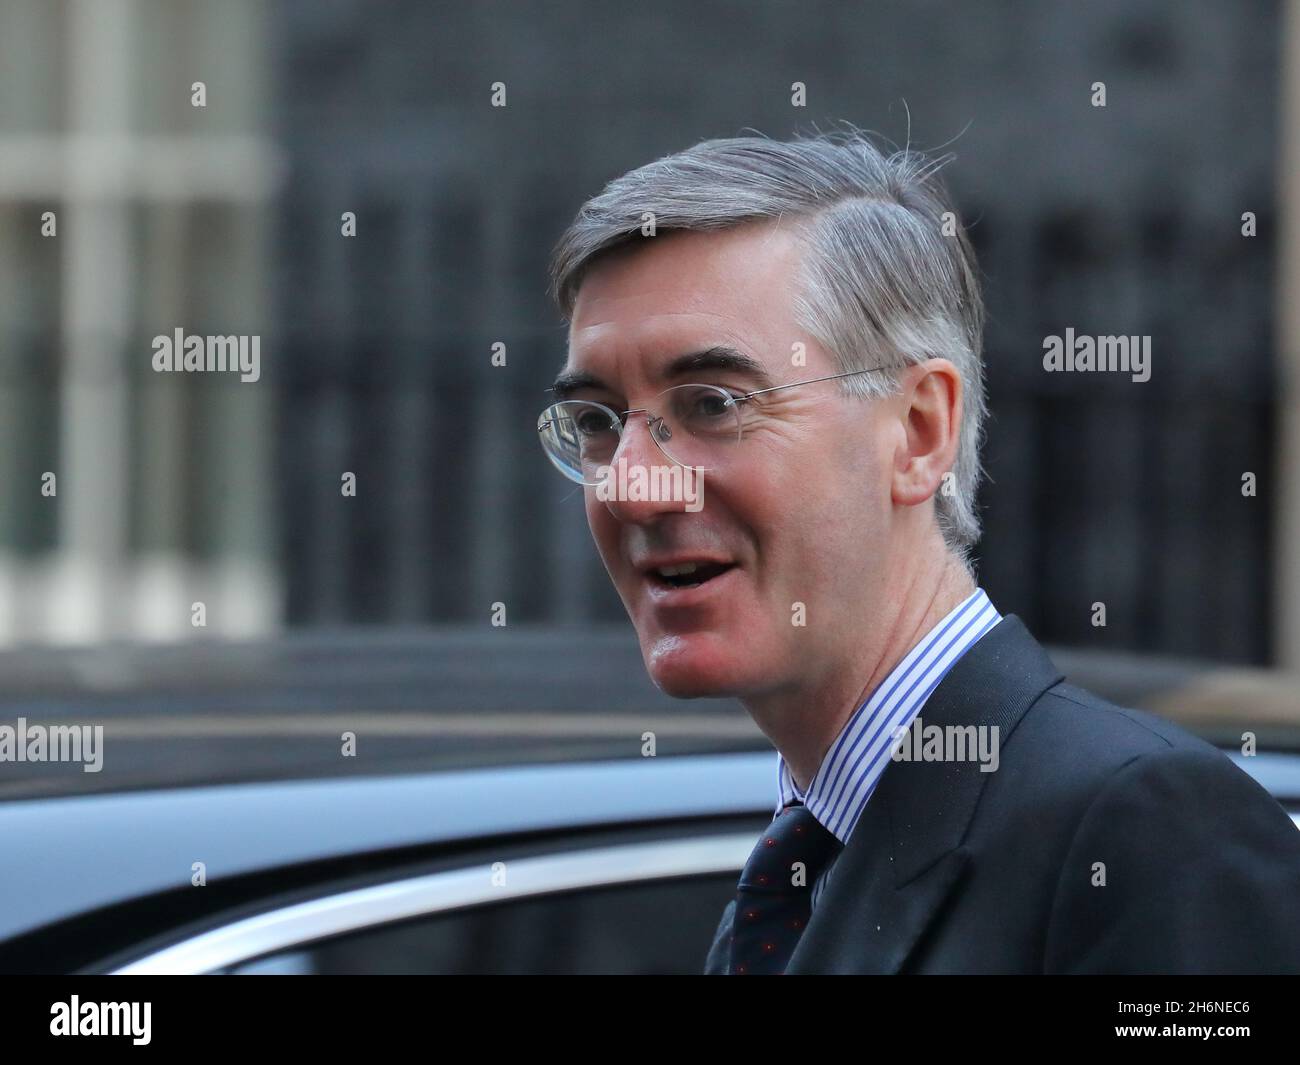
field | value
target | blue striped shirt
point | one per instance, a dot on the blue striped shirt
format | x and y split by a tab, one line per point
853	765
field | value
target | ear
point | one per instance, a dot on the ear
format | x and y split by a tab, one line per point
930	409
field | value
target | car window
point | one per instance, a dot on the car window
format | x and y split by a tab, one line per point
661	927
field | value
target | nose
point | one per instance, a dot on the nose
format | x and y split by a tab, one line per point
633	473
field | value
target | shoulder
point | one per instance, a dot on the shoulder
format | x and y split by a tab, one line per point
1090	744
1173	859
1079	771
1087	717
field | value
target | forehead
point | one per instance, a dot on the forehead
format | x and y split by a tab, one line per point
687	290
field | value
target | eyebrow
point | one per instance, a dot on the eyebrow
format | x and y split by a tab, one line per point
718	357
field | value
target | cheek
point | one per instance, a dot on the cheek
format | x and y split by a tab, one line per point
831	476
823	503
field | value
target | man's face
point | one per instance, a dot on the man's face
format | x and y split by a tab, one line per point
794	521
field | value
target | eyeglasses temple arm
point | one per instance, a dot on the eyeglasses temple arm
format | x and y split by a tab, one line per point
796	384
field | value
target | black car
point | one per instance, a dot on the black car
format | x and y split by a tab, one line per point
505	808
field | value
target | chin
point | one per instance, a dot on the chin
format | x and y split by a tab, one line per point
696	666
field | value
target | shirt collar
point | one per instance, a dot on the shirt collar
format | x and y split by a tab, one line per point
853	764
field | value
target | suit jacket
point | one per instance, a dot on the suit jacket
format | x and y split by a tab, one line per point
954	870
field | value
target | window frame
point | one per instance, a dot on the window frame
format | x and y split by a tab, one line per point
465	887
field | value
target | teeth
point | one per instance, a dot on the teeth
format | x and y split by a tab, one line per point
678	571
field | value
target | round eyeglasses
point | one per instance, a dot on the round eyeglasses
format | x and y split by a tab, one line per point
694	425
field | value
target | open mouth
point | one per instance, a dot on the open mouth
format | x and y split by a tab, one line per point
689	574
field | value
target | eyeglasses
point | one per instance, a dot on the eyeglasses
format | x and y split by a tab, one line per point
695	426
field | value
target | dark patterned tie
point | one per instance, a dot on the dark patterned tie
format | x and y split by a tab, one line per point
774	898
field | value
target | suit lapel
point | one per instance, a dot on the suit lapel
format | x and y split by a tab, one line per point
904	857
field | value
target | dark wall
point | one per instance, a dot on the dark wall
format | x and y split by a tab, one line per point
1122	220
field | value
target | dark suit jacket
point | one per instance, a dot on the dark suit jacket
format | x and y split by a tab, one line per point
952	870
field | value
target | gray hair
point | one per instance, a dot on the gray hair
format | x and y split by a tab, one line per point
888	279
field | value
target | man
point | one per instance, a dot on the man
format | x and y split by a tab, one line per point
802	322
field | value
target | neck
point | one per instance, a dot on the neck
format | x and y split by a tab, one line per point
803	721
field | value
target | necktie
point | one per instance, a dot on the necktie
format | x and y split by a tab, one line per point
774	898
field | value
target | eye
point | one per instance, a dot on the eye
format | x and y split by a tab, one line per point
591	422
712	405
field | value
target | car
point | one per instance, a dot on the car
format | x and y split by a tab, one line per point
478	827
